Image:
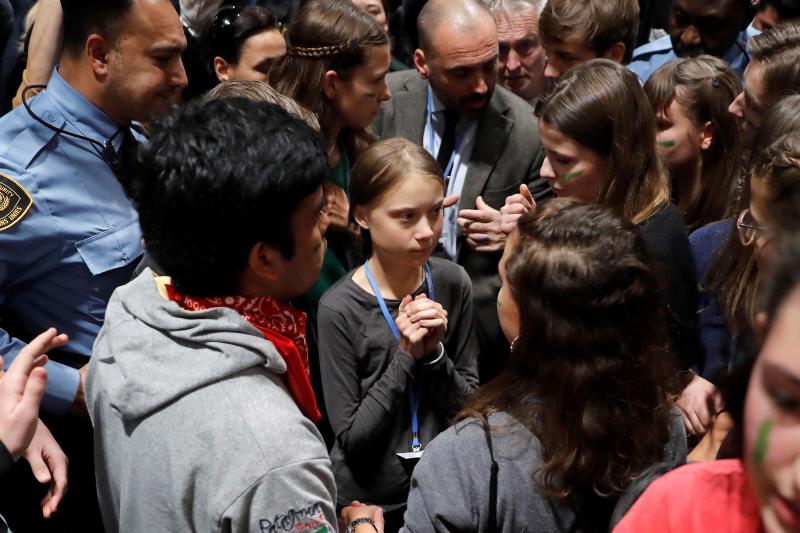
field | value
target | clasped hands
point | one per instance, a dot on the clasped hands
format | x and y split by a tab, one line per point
422	323
356	510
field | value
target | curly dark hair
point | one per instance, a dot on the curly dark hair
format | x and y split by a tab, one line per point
590	373
218	177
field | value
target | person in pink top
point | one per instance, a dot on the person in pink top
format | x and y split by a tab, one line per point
760	492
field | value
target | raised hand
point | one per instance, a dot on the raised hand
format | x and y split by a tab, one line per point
481	227
21	391
337	206
516	205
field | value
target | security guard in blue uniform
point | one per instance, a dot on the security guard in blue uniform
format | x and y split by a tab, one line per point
698	26
69	234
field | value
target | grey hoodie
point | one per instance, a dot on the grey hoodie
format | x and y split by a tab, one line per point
194	429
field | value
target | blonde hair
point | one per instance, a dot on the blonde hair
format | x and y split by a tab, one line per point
382	166
260	91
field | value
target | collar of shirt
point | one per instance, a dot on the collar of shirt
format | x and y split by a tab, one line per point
738	51
465	129
750	32
80	113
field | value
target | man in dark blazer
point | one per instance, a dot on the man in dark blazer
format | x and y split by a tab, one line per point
494	148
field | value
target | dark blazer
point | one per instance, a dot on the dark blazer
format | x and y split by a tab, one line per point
507	152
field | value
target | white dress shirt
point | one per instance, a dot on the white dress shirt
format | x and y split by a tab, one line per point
466	130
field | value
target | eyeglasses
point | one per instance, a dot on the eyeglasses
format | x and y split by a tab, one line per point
748	230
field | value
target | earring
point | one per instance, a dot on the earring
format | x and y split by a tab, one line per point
513	344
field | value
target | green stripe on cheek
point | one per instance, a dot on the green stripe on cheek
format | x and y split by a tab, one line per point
666	144
762	442
572	175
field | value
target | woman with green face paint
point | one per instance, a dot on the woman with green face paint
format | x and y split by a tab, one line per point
761	491
599	134
697	136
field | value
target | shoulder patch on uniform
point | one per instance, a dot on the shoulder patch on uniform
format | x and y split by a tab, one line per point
14	202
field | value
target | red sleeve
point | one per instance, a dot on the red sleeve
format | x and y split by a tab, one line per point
651	512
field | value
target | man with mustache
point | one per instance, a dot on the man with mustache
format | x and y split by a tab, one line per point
484	137
714	27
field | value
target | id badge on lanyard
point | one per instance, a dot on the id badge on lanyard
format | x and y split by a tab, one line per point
413	391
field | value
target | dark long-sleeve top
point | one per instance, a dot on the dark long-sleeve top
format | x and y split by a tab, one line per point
6	460
715	336
665	237
366	380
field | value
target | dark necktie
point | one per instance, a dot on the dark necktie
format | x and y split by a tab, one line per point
448	139
122	160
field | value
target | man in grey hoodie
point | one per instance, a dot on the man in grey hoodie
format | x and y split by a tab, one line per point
198	385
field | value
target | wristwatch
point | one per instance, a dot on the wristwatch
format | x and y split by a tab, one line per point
357	522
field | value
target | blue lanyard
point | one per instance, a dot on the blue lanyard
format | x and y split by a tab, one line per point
413	392
431	139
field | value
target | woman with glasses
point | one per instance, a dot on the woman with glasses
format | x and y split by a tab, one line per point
725	262
242	43
756	490
728	257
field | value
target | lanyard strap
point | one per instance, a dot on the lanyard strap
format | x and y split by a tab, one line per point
413	392
431	139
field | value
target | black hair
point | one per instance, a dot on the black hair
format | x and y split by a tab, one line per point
85	17
787	9
218	177
230	27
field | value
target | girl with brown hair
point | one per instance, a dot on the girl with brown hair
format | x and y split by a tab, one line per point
335	65
598	131
697	136
584	405
398	351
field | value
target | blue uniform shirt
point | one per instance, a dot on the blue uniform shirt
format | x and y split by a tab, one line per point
749	33
68	234
649	57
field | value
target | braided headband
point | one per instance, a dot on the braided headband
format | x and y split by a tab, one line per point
317	51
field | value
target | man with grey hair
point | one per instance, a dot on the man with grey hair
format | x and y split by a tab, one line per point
485	138
521	63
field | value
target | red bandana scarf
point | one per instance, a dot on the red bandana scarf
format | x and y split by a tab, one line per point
283	326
